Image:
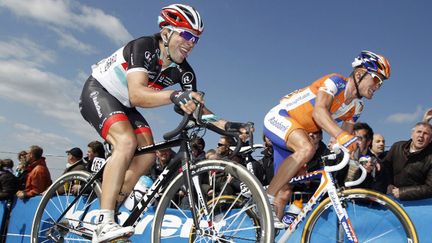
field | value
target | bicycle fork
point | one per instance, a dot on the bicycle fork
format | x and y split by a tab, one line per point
344	223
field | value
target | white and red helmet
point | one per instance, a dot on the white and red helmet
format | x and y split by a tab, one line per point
181	16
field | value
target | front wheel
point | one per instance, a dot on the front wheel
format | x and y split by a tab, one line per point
374	217
236	207
77	224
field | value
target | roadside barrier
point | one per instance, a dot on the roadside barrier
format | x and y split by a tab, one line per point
22	214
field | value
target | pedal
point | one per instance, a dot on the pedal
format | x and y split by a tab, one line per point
122	239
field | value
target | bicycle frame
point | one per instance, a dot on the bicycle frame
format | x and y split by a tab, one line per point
171	170
166	177
157	188
327	185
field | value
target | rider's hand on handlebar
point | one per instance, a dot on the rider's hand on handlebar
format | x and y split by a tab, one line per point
347	140
186	100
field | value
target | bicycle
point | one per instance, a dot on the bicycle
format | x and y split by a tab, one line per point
215	217
349	215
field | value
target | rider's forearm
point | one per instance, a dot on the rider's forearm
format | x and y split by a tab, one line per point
324	120
147	98
220	123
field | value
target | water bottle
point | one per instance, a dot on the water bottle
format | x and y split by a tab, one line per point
293	210
138	192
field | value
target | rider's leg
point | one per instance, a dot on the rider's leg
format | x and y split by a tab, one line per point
284	195
281	200
298	141
124	142
123	139
139	166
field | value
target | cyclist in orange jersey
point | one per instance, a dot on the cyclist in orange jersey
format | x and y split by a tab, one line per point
320	106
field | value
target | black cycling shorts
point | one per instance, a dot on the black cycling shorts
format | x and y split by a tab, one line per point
101	110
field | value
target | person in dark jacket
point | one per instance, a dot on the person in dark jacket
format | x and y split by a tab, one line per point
409	165
8	181
267	161
75	162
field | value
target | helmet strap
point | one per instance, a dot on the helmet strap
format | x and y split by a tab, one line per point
357	84
166	44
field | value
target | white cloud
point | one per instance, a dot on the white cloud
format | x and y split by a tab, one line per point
106	24
26	51
406	117
2	119
48	11
28	135
69	15
48	93
68	40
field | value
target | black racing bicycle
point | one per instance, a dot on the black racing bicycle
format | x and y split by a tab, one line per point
66	211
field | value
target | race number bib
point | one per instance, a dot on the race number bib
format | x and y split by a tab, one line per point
98	163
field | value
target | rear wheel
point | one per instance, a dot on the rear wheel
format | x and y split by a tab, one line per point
232	213
78	222
374	217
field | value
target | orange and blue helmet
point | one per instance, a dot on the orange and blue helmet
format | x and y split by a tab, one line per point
181	16
373	63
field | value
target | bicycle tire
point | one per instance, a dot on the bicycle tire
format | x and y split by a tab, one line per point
47	227
374	216
245	219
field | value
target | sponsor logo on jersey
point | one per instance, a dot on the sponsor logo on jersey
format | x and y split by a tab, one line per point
147	56
339	82
278	124
94	97
187	78
298	98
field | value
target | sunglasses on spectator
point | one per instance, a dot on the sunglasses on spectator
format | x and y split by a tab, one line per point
187	35
222	145
378	81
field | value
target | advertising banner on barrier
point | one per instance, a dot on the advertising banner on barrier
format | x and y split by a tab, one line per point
177	224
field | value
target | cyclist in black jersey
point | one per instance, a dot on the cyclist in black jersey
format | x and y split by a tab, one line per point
135	76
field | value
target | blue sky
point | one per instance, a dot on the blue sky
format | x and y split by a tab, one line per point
251	53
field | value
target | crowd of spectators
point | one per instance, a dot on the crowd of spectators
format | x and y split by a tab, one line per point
32	177
404	171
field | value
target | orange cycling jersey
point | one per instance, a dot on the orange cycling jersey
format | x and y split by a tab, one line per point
295	109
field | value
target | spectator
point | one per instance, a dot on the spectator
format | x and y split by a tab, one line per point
252	165
22	163
163	157
211	154
8	181
21	171
38	178
267	161
365	134
378	146
75	160
409	165
223	147
198	145
371	163
94	149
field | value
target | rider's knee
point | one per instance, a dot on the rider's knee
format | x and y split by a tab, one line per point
306	152
126	144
